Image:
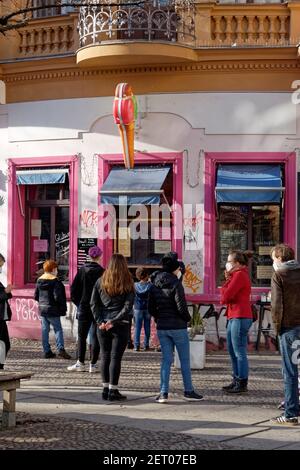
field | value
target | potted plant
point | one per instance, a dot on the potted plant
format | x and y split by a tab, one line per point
196	332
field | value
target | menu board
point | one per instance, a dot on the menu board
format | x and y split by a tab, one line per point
84	244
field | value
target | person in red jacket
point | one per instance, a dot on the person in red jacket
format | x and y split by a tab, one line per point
235	293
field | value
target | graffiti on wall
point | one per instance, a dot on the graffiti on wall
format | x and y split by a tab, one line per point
192	228
88	221
192	280
26	310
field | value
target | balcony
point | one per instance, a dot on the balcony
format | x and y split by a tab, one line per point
155	31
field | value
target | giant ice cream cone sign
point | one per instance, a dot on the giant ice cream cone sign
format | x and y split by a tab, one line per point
125	111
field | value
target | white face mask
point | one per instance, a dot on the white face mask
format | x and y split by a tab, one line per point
0	269
179	274
228	266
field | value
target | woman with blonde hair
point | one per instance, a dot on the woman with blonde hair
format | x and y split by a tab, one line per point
111	304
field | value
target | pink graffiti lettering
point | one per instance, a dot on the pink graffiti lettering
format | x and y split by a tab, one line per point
89	219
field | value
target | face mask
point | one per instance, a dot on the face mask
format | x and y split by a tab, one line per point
0	269
229	266
55	273
276	266
179	274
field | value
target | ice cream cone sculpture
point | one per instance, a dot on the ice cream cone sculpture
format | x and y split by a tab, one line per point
125	111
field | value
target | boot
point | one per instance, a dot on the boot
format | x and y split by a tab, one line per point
230	386
240	386
115	395
105	393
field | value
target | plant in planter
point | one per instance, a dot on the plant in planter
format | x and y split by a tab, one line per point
197	325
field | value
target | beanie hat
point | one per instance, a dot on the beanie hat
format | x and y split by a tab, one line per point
170	262
95	252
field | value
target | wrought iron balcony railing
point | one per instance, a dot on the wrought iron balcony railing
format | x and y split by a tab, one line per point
152	20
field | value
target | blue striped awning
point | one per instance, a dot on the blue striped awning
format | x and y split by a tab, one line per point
249	184
47	176
137	186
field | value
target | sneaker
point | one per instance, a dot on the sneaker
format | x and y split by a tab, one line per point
93	368
162	398
136	348
115	395
50	355
193	396
282	420
105	393
78	367
63	354
146	348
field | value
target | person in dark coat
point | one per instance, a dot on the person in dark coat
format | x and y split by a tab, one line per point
112	304
167	304
285	309
81	293
5	316
236	293
51	296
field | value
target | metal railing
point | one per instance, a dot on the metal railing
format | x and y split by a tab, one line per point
152	20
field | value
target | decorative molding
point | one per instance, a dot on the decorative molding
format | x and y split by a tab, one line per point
202	67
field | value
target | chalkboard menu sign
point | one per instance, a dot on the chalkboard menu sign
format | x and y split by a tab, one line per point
84	244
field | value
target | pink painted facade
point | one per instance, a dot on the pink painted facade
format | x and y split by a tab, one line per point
211	291
25	321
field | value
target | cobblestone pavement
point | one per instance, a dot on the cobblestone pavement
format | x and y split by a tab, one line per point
140	373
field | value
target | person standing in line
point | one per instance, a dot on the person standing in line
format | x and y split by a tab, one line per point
81	293
167	304
141	309
50	294
236	293
5	316
111	304
285	310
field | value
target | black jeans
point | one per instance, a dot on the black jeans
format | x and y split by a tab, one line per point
112	344
83	331
4	337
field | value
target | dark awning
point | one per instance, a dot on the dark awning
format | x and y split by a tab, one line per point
137	186
249	184
46	176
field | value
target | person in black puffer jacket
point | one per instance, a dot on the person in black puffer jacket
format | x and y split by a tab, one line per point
5	316
112	304
81	293
51	295
167	304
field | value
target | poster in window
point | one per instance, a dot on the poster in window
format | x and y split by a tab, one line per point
124	242
40	246
162	247
264	272
264	250
36	228
84	244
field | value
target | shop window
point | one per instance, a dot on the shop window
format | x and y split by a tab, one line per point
247	227
150	207
249	203
47	228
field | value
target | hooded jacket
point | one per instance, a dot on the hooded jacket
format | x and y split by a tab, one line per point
236	292
50	293
5	311
285	295
142	290
167	302
82	288
113	309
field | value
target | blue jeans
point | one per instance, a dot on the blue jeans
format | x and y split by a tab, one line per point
59	336
140	317
168	340
289	340
237	333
